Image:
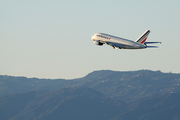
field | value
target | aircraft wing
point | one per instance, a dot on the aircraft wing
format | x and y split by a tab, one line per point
114	45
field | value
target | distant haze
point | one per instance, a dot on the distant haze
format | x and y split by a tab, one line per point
52	39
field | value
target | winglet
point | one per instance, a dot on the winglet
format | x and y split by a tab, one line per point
143	37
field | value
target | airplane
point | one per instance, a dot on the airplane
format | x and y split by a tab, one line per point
121	43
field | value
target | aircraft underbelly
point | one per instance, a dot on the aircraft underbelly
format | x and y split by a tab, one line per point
128	46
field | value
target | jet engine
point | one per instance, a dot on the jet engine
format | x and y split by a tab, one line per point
98	43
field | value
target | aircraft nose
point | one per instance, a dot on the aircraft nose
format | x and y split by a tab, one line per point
92	37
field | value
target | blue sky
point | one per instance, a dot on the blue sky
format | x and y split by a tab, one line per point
52	38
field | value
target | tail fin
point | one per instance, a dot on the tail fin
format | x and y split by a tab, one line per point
143	37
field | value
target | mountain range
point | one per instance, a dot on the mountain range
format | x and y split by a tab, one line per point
105	94
128	86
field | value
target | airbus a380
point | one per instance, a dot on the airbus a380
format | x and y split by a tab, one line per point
121	43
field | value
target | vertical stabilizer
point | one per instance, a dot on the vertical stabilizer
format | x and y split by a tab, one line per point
143	37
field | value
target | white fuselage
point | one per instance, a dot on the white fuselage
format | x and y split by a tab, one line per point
116	42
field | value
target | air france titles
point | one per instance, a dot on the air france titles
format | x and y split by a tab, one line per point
103	37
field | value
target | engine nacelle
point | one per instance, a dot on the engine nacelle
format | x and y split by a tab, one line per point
98	43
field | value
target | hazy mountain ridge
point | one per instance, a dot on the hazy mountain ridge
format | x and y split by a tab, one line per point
66	103
134	84
166	107
86	103
128	86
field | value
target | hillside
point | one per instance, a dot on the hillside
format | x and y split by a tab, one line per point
86	104
66	104
128	86
166	107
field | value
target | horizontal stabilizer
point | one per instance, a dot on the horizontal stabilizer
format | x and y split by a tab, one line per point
151	46
151	42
